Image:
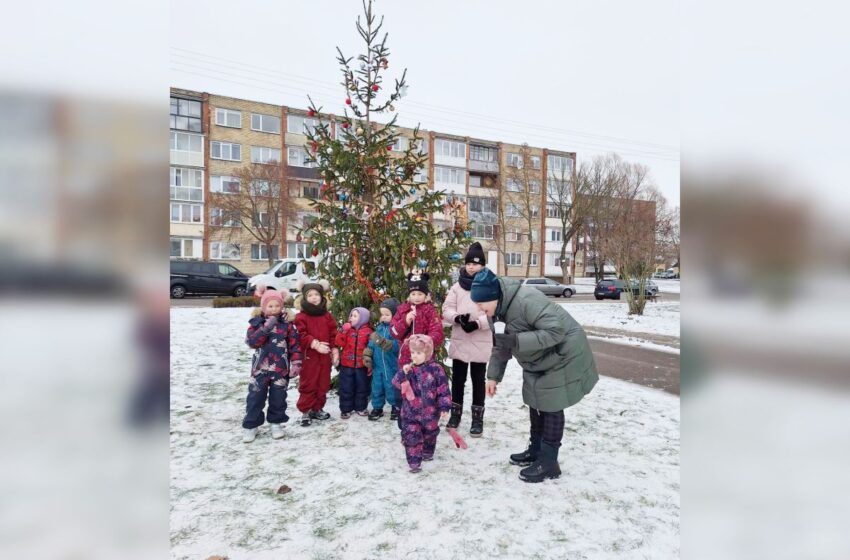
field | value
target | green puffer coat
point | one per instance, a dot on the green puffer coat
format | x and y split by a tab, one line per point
552	348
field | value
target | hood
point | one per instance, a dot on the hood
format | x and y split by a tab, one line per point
510	287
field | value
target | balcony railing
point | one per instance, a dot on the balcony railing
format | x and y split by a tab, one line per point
484	166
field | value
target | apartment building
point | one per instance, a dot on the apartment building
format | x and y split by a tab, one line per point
234	132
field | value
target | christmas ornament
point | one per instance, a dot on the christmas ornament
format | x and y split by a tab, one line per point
359	130
391	107
390	148
375	87
345	125
315	253
456	257
342	196
423	263
311	113
348	101
314	146
421	246
467	234
412	190
444	283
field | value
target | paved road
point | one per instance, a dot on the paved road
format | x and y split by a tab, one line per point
192	301
638	365
665	296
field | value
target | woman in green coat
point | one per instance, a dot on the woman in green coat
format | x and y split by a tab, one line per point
557	364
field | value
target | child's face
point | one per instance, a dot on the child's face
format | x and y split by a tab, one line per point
353	317
473	268
416	297
488	307
418	357
273	308
314	297
386	316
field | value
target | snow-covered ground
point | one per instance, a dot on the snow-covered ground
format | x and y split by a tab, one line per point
352	496
586	285
659	317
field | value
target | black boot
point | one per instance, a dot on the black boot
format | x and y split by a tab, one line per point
394	413
529	455
546	465
477	421
375	414
454	419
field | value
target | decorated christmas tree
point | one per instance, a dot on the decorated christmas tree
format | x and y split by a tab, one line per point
375	213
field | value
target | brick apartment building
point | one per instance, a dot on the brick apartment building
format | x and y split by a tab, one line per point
212	136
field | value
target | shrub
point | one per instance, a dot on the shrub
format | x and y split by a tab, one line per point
244	301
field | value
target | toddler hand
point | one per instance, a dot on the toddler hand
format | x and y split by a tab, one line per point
407	391
295	369
444	415
411	315
270	323
406	368
346	327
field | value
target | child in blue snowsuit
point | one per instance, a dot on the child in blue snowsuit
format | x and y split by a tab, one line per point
382	356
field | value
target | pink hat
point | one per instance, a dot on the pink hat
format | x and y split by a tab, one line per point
267	295
421	343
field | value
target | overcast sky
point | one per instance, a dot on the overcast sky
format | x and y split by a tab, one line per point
588	77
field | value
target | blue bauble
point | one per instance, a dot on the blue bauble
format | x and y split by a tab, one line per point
412	190
467	235
456	257
423	263
342	196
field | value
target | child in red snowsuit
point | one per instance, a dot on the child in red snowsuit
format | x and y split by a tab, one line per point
354	375
416	316
317	329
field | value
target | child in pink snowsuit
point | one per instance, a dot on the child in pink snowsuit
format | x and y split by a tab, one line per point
425	398
417	315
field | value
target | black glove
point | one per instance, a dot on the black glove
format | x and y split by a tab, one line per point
506	341
469	326
461	319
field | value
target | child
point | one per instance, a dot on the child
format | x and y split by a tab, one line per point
382	357
276	359
416	316
425	395
354	375
316	327
471	342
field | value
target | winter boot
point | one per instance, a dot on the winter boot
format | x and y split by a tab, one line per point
277	431
529	455
319	415
305	419
454	419
249	435
376	413
394	413
477	421
546	465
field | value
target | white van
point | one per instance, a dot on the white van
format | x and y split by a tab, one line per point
285	274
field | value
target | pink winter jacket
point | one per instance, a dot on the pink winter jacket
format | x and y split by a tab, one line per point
469	347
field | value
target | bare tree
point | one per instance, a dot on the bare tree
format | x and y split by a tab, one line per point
261	207
522	193
600	183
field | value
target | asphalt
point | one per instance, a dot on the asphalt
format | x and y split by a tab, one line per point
650	368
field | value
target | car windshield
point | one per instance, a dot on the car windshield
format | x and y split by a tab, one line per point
274	266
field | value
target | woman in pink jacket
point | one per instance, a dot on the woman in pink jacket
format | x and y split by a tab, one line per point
471	342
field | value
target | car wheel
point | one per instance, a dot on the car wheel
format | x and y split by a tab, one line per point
567	293
617	296
240	291
598	298
178	291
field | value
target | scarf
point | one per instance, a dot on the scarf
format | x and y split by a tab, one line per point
464	279
314	310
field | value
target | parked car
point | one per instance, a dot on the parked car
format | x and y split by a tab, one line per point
664	274
650	288
610	289
198	277
550	287
285	274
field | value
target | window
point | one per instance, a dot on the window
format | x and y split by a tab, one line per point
535	161
535	236
513	186
512	234
311	190
225	151
475	180
515	160
225	252
482	153
554	234
422	146
261	154
224	184
513	259
261	219
536	281
187	184
186	213
219	218
421	175
182	142
483	204
553	211
533	259
297	124
260	252
297	157
185	114
482	231
534	186
511	210
264	188
226	117
296	250
450	175
449	148
341	133
182	248
400	144
534	209
265	123
560	165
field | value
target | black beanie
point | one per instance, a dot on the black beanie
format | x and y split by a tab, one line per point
418	282
475	254
391	304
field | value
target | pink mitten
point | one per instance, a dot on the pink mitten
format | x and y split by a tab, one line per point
407	391
456	437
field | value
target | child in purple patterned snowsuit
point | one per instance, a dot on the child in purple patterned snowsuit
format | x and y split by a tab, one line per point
426	399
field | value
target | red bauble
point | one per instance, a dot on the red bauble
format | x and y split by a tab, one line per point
314	145
315	253
311	113
390	148
348	101
345	125
375	87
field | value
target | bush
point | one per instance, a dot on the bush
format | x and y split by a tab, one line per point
244	301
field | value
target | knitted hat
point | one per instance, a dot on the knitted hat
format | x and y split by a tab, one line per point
363	317
485	287
391	304
267	295
475	254
417	281
421	343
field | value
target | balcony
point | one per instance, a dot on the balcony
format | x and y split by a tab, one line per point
483	166
294	172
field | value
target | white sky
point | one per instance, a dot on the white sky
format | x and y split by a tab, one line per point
587	77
